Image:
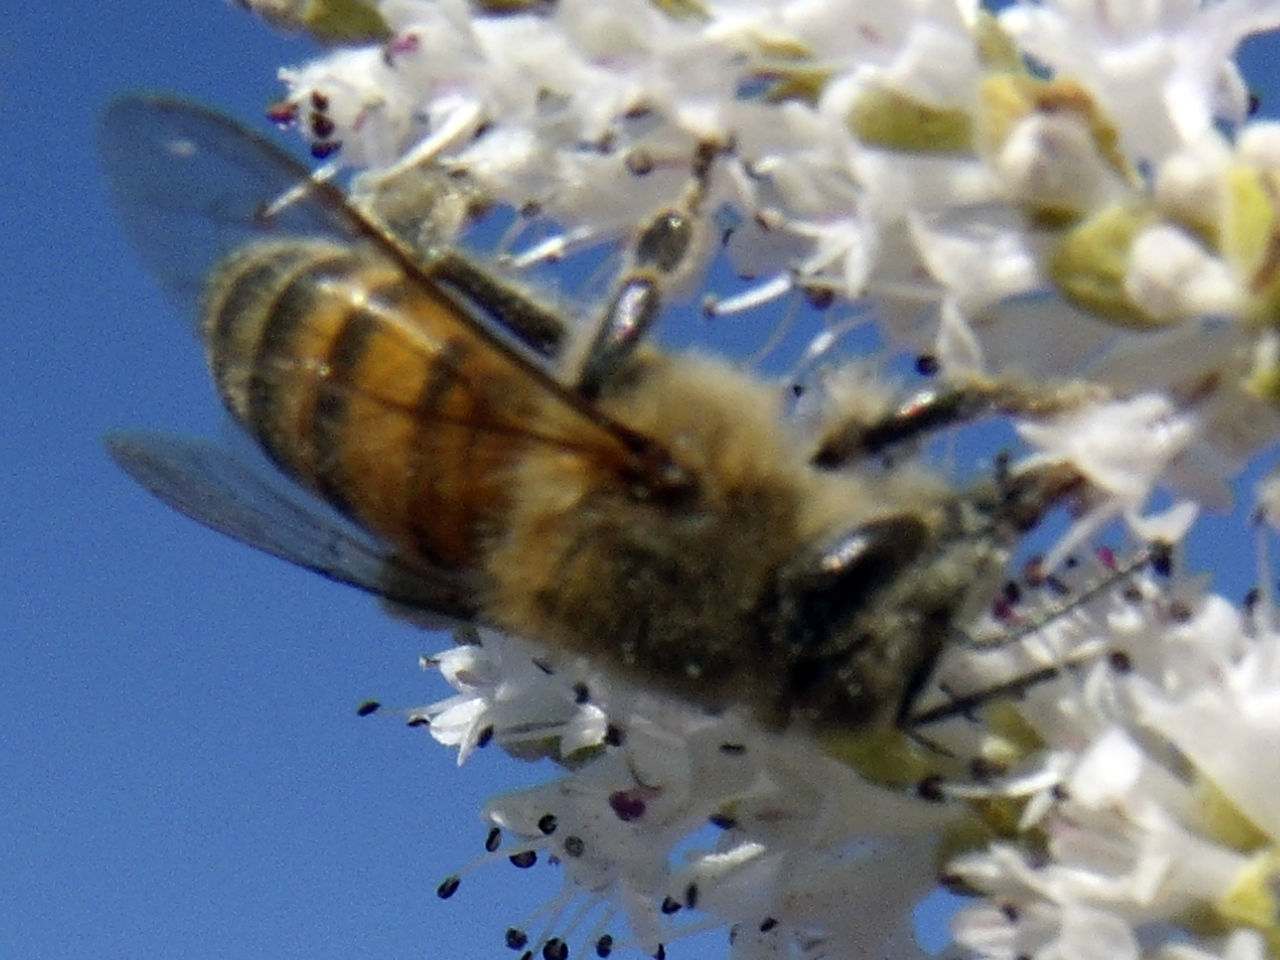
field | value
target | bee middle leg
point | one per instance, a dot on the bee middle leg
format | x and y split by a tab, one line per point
659	254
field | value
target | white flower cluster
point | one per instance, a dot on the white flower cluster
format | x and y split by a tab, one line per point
1103	213
1123	801
1064	191
1154	805
807	855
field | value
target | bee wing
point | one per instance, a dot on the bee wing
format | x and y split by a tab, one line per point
215	488
193	185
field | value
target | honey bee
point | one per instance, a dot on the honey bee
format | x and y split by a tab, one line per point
648	511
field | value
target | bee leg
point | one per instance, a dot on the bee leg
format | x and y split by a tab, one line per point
964	704
824	588
1028	496
1025	496
634	307
811	621
1012	502
958	706
659	254
932	410
537	327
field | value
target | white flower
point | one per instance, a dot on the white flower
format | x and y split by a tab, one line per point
1171	277
1160	69
1069	191
1167	810
1122	448
800	835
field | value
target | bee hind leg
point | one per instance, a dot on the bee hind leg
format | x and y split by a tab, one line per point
537	327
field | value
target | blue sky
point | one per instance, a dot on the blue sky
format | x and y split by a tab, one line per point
186	776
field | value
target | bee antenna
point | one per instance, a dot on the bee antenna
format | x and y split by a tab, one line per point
959	705
1116	574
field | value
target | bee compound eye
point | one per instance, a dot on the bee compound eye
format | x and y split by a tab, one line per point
839	578
873	550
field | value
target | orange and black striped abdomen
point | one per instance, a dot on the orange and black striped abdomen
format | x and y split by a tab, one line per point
372	389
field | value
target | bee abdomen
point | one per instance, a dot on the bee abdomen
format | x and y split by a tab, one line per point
349	378
270	330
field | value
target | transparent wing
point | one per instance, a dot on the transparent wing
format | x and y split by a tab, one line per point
215	488
192	185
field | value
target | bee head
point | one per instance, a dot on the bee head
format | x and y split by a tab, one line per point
856	623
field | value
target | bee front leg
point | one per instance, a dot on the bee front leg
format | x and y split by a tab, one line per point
932	410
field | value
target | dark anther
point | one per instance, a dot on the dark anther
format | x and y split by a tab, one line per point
627	805
524	860
984	769
547	824
1162	558
820	298
930	788
368	707
322	128
448	887
927	365
1252	598
282	114
639	163
494	840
